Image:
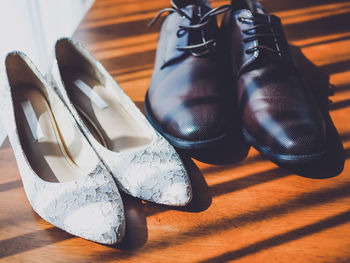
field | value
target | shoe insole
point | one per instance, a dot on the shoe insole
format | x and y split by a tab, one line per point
97	104
45	150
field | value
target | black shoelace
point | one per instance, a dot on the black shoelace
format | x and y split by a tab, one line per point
206	45
252	36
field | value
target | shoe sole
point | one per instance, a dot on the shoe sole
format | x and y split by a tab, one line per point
208	151
282	158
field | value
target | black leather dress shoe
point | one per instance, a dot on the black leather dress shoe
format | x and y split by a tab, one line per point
280	116
190	100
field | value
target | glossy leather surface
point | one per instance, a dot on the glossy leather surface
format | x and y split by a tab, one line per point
190	96
277	108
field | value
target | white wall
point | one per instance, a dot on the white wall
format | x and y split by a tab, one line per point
32	26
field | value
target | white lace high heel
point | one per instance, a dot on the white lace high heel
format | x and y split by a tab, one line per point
143	163
65	182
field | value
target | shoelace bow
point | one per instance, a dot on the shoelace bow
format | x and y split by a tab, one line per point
195	25
259	23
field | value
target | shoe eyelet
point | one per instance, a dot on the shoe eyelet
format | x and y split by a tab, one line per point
181	32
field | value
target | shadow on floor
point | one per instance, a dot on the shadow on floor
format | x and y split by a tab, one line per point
325	42
340	104
299	203
136	211
136	231
31	241
6	144
334	24
287	5
336	67
278	240
10	185
248	181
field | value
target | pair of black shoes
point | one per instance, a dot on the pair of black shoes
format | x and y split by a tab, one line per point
216	91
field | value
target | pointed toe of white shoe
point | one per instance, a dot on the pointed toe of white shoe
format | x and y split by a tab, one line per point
90	207
161	186
155	174
100	217
177	194
100	222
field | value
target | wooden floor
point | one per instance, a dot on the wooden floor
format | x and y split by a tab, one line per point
252	211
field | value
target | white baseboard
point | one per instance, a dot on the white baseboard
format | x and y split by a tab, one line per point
35	26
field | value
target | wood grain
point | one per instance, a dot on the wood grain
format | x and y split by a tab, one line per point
252	211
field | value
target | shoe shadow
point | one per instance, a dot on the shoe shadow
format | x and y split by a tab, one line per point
136	231
136	210
232	150
201	197
5	145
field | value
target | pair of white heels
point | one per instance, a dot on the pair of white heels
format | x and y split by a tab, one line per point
75	129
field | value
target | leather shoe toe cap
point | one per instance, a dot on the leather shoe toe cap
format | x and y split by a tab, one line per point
198	123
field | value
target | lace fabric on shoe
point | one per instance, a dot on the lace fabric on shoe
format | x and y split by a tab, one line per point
153	172
89	205
197	23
